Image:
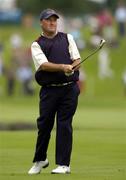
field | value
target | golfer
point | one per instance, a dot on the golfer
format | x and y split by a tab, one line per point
54	55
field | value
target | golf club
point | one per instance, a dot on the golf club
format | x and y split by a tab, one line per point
102	42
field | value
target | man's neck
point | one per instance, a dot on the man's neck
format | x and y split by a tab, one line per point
49	35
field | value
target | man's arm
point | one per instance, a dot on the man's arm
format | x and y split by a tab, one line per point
42	63
76	62
74	52
52	67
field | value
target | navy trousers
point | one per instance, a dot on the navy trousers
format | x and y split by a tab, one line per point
59	102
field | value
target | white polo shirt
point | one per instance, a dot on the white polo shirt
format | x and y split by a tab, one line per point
39	57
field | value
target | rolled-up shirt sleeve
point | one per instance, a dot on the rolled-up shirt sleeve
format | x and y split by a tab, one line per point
38	55
73	50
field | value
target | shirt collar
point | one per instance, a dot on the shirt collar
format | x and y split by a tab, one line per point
45	36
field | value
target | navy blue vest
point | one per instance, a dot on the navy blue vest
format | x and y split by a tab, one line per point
56	51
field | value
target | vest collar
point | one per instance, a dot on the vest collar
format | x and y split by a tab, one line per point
48	37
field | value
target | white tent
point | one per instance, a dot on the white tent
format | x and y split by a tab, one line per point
98	1
7	4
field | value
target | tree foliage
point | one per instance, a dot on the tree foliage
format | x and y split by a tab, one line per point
64	6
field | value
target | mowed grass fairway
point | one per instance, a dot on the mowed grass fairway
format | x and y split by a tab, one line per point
99	148
99	144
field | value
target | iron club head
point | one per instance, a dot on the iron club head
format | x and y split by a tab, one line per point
102	42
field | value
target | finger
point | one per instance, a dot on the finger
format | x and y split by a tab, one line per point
69	74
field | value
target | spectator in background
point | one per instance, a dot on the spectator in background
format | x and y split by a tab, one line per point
61	23
93	24
10	75
104	18
94	40
82	80
24	72
16	46
120	16
1	64
75	26
106	27
21	63
1	59
74	29
124	81
104	63
16	40
24	75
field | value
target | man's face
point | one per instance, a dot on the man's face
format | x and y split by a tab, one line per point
49	25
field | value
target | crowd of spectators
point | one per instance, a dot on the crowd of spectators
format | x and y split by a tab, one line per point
103	24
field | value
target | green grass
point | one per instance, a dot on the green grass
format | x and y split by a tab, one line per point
25	109
99	148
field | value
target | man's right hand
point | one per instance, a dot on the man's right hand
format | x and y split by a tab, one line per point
67	68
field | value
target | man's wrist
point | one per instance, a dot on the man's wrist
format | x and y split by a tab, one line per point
62	67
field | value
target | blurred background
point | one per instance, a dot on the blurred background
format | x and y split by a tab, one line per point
102	77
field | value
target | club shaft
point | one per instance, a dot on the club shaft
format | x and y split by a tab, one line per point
86	58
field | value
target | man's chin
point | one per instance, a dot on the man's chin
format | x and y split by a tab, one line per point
52	31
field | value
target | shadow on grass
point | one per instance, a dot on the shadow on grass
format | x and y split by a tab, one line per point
17	126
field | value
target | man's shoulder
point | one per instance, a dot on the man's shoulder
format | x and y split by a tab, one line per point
70	36
66	35
38	38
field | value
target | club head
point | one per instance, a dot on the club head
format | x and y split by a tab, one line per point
102	42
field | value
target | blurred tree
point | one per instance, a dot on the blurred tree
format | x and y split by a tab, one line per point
112	4
64	6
